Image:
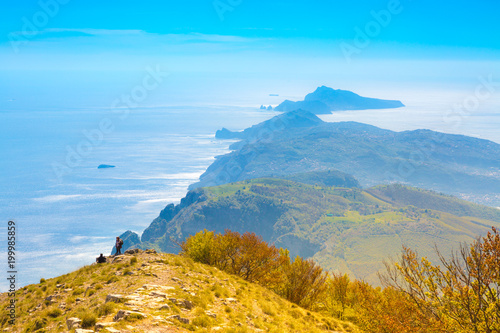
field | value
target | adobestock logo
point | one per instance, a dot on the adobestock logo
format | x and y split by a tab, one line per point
223	6
95	137
39	20
373	28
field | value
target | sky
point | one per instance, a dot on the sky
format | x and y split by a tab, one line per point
370	41
412	28
64	63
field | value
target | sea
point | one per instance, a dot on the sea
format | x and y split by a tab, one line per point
67	211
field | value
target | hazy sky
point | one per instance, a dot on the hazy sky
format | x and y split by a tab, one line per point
378	40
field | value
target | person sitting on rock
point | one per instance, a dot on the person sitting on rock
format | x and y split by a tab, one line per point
101	259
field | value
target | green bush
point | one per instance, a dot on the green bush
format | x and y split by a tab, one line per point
88	320
134	317
105	309
199	247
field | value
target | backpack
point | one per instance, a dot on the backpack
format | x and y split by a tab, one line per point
120	242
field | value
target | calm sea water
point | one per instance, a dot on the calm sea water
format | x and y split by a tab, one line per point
65	221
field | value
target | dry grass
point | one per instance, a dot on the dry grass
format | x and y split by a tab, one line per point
250	307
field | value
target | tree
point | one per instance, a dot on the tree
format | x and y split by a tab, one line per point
463	295
304	282
336	297
199	247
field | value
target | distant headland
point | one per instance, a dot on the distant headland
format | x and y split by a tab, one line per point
325	100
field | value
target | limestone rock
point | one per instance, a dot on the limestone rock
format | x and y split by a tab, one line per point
116	298
132	251
179	318
73	323
52	298
210	314
186	304
151	286
158	294
112	330
123	314
100	326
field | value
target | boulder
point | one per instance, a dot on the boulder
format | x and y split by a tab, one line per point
210	314
123	314
116	298
132	251
179	318
186	304
158	294
52	298
151	286
73	323
112	330
100	326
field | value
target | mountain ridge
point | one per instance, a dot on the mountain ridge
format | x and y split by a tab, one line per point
345	229
325	100
455	164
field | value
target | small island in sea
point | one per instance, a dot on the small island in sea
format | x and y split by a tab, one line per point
324	100
105	166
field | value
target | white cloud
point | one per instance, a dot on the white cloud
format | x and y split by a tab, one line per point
56	198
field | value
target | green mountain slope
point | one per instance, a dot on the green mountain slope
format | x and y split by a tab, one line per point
459	165
346	229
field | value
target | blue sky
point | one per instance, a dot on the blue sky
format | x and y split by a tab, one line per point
421	24
449	23
294	40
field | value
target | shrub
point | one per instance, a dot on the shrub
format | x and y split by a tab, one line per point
78	291
37	324
112	279
199	247
202	321
54	313
134	317
105	309
88	319
304	284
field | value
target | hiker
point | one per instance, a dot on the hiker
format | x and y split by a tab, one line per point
119	244
101	259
